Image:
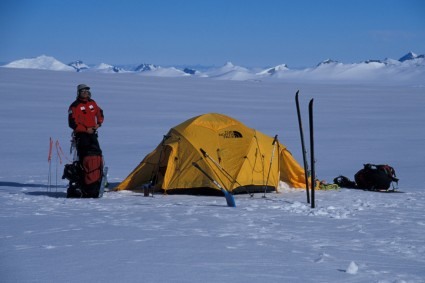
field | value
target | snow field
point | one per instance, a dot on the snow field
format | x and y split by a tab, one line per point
352	236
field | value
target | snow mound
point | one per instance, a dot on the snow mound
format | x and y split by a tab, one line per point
274	70
231	72
106	68
164	72
352	268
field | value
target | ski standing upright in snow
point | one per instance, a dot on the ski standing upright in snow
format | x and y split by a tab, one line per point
312	161
300	124
104	181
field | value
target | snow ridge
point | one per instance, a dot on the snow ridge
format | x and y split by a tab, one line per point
409	67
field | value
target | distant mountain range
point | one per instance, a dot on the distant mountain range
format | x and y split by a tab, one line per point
409	67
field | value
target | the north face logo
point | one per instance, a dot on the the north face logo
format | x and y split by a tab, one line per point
231	135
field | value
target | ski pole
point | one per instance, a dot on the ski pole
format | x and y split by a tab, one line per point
270	167
155	172
57	156
227	174
229	197
61	153
49	160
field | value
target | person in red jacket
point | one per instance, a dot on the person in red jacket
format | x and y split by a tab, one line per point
85	117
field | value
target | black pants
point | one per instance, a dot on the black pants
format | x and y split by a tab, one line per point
87	144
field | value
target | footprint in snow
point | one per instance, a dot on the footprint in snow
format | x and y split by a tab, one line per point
321	258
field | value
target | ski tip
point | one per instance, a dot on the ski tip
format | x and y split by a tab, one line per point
229	198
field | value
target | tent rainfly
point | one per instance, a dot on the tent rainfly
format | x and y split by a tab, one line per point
239	158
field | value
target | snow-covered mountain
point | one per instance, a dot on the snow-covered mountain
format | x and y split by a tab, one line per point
230	72
411	56
78	65
106	68
164	72
42	62
145	67
158	71
387	70
409	67
274	70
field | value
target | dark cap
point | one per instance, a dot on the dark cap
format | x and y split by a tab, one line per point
82	86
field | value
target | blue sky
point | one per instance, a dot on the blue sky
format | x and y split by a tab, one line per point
262	33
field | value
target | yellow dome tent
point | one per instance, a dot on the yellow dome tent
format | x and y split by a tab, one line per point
239	158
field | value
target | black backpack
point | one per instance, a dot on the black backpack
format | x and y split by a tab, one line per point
344	182
375	177
73	172
84	179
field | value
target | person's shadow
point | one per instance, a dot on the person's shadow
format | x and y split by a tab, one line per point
50	191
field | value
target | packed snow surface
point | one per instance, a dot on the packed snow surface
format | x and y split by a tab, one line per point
351	235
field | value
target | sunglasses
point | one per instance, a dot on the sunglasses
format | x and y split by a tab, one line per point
84	90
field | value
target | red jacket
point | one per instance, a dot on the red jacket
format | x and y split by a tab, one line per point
84	114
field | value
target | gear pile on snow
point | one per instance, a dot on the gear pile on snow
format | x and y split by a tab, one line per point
85	177
372	178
